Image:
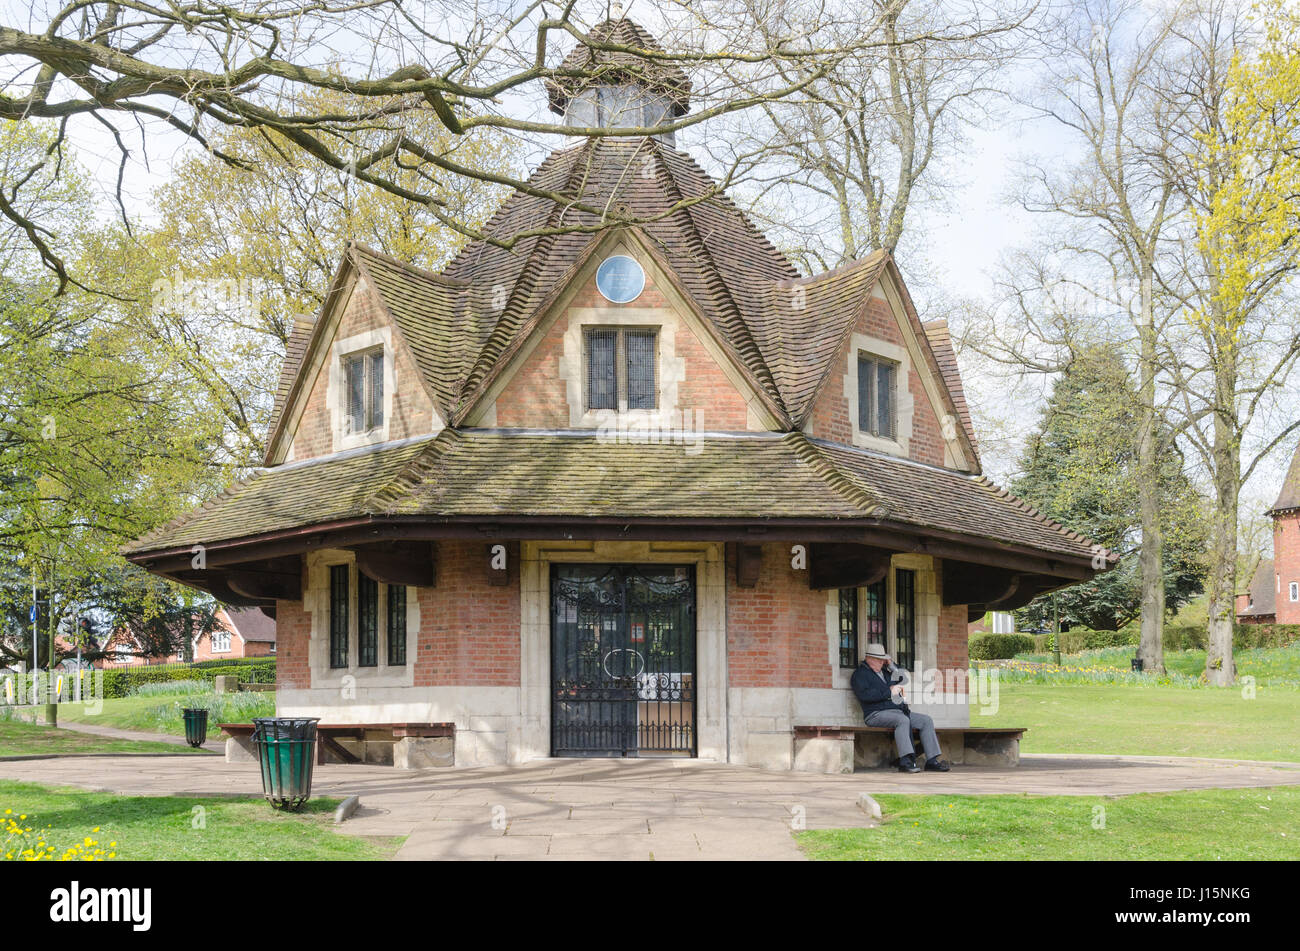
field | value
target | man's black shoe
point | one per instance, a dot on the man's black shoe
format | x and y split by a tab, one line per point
938	765
907	764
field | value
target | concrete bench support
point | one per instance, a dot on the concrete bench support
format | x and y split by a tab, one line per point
424	752
404	745
841	749
240	749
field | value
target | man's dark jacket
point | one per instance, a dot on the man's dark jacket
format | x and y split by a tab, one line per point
872	692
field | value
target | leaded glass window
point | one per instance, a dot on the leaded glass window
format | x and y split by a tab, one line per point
367	621
396	625
848	627
640	369
620	368
364	388
338	615
877	385
874	627
905	618
602	385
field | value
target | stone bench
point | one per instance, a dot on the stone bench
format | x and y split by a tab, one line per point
841	749
404	745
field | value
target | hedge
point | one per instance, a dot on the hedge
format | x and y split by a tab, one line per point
118	682
999	646
1083	639
1177	637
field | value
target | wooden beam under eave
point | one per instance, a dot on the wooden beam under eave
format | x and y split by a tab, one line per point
966	583
214	583
399	562
845	565
749	562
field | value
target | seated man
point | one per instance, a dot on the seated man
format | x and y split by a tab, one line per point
878	685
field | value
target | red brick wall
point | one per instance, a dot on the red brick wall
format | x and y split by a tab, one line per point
412	411
292	637
1286	563
776	631
469	629
830	413
536	396
952	651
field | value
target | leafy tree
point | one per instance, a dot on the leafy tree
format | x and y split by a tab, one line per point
1082	468
98	441
1240	170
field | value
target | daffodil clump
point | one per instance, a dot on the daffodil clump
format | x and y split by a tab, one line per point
1033	672
23	843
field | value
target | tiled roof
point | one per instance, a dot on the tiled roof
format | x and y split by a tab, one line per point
523	473
252	624
517	472
614	66
941	345
723	263
288	496
294	349
1262	594
783	330
806	320
426	308
923	495
1289	496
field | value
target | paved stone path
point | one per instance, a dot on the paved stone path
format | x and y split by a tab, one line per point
633	809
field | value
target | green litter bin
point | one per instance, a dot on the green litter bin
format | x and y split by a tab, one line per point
286	752
196	726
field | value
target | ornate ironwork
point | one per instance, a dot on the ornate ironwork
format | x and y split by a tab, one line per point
622	660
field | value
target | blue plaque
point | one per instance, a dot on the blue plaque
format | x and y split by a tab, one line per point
620	279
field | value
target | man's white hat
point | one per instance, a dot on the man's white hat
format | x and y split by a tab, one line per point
876	650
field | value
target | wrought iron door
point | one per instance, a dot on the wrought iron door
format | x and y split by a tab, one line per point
622	660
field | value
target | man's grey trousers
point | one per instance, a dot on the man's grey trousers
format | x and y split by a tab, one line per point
903	724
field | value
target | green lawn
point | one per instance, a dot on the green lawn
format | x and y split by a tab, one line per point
1167	721
174	827
1207	824
1270	666
23	739
161	713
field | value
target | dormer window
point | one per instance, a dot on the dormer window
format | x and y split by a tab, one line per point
364	391
620	367
877	380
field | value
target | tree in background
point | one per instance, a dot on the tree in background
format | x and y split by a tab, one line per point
1238	168
101	434
837	169
1083	468
98	441
1095	278
190	70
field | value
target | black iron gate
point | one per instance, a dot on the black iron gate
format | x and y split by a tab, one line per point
622	660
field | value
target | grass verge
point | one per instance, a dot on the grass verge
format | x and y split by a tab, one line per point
26	739
188	828
1211	824
1152	721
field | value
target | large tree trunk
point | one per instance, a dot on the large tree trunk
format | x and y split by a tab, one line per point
1151	647
1220	670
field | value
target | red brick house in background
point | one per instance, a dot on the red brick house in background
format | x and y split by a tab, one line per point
636	490
1274	593
247	632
